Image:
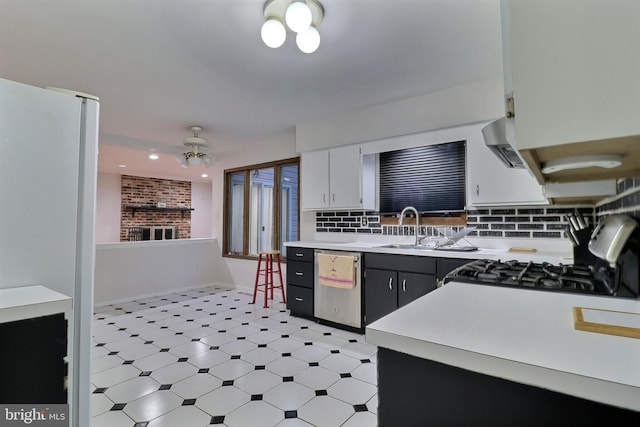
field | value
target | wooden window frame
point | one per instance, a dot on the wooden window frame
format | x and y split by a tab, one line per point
247	190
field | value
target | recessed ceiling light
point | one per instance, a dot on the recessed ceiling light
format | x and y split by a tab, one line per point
204	175
122	166
154	156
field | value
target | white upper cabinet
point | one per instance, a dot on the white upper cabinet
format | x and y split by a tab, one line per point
491	183
574	68
339	178
314	180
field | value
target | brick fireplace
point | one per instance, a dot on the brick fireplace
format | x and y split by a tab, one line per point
157	202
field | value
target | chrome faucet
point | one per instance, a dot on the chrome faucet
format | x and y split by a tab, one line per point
415	212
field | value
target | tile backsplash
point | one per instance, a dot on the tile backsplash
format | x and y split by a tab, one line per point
524	222
508	222
627	200
348	222
513	222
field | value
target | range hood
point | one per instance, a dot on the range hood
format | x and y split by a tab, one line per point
495	138
586	190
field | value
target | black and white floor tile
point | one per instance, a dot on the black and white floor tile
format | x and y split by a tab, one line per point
208	357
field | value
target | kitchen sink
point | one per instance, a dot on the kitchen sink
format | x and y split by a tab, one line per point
430	248
406	246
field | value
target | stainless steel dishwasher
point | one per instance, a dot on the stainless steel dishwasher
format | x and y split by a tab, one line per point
339	304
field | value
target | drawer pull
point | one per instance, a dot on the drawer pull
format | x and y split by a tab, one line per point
299	299
298	273
299	254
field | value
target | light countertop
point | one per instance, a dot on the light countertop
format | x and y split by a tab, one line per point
31	301
522	335
482	253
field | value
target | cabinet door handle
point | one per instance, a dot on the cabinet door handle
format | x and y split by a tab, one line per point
324	198
333	197
478	190
299	299
390	283
404	285
298	273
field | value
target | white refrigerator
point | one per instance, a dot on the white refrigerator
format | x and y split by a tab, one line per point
48	173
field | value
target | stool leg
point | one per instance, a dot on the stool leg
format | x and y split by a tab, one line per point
284	299
268	279
271	282
255	286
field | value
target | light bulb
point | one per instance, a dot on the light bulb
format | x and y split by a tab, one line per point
273	33
308	41
195	161
298	16
207	161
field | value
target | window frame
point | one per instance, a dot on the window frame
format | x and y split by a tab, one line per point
246	201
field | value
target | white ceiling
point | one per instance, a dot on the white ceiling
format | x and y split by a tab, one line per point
161	66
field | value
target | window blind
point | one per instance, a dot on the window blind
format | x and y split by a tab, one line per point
430	178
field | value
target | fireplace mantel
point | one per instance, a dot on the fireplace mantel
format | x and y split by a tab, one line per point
155	208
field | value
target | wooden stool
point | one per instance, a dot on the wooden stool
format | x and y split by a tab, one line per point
267	272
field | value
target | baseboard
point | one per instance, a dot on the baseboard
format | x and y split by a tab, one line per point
165	292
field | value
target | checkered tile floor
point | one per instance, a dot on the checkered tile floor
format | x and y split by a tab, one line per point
209	357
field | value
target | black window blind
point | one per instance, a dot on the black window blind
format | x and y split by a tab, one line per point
430	178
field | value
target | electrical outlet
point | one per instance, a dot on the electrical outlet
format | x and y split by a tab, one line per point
363	221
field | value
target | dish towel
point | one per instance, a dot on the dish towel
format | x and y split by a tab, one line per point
336	271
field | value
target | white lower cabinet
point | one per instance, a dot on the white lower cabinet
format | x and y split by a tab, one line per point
339	178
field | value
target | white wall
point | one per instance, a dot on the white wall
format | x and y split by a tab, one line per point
202	205
130	270
109	198
475	102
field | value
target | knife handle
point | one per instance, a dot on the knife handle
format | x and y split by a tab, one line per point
581	222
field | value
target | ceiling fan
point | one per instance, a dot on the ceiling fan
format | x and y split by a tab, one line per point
197	154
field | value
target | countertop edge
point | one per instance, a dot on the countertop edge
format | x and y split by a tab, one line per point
615	394
604	369
494	254
27	302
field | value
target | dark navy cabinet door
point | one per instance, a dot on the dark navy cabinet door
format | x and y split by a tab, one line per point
380	293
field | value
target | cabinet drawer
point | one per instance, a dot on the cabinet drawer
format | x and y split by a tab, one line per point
300	300
300	254
300	274
409	263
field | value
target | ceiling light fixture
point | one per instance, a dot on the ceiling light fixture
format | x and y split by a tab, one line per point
300	16
197	154
154	156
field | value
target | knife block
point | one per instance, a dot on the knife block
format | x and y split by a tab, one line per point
581	253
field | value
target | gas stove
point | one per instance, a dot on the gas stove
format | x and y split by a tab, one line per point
542	276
